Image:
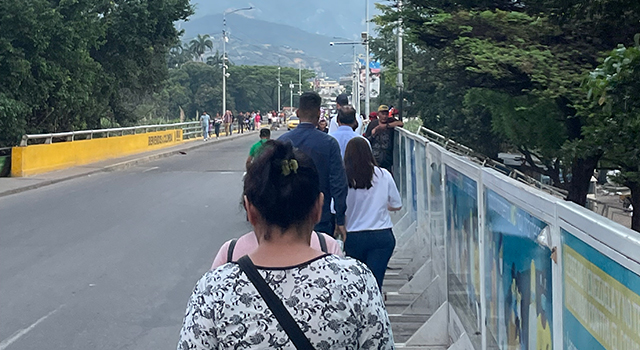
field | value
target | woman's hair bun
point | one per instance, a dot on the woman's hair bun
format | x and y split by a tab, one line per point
283	184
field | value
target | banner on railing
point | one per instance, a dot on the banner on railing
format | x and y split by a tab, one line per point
518	285
601	300
544	273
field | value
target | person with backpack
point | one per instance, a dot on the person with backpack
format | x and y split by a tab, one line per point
286	294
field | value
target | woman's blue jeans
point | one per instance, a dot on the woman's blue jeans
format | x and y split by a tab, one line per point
374	248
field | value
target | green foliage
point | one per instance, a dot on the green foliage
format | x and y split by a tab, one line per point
615	86
196	87
505	75
64	65
199	46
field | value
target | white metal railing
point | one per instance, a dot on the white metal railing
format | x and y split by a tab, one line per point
485	161
190	129
496	263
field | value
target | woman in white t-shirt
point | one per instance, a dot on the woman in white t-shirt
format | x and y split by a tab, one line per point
372	194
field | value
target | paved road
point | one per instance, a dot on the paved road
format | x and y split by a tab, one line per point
108	261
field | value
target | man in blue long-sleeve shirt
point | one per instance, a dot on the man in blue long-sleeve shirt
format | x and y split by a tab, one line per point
325	152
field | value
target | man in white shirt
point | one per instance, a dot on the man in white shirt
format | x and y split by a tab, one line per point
346	119
343	100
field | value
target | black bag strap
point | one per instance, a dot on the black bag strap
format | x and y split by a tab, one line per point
232	246
274	303
323	242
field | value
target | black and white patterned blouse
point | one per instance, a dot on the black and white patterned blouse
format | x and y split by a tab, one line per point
335	301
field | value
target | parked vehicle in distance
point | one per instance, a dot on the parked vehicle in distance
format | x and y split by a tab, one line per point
292	122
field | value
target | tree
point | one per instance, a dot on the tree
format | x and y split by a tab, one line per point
529	57
67	65
178	55
215	60
138	37
255	87
199	46
615	85
48	80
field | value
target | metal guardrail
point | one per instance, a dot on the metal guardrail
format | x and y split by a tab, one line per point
485	161
190	129
194	129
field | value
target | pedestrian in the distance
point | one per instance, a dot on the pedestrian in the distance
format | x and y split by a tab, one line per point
257	148
216	125
256	120
372	194
227	119
380	134
204	122
240	119
322	126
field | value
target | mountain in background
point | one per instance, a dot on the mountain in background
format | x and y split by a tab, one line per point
253	41
327	17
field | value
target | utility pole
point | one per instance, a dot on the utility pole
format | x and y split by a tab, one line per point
367	70
224	63
355	90
279	86
400	81
355	87
225	75
291	86
299	79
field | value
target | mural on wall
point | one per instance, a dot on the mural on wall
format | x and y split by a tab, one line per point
518	281
462	233
601	300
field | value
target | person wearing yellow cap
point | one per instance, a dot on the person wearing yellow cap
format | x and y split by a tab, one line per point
380	134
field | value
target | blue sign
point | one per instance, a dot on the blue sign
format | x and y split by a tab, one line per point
518	282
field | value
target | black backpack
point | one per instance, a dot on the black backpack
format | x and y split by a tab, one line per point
232	246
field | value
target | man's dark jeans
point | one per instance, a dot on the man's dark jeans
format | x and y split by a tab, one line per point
374	248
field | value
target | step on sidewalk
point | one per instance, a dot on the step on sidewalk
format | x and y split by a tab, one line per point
403	326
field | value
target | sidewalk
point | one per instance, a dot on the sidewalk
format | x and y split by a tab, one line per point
12	185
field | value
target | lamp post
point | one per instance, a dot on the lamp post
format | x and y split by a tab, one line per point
400	81
299	79
291	86
355	84
355	96
225	75
365	39
279	86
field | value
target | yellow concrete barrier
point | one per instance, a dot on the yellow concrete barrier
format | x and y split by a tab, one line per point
37	159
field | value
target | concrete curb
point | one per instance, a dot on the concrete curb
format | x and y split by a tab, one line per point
129	163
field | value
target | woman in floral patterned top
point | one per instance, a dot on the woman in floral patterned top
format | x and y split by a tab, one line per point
335	301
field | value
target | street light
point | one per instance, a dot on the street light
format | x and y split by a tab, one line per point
355	84
279	86
400	80
291	86
225	75
355	91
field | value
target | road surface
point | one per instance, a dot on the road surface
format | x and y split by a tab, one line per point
108	261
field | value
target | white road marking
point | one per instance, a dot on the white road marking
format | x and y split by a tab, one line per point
17	335
154	168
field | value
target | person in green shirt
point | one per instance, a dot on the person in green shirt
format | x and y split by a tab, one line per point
256	149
